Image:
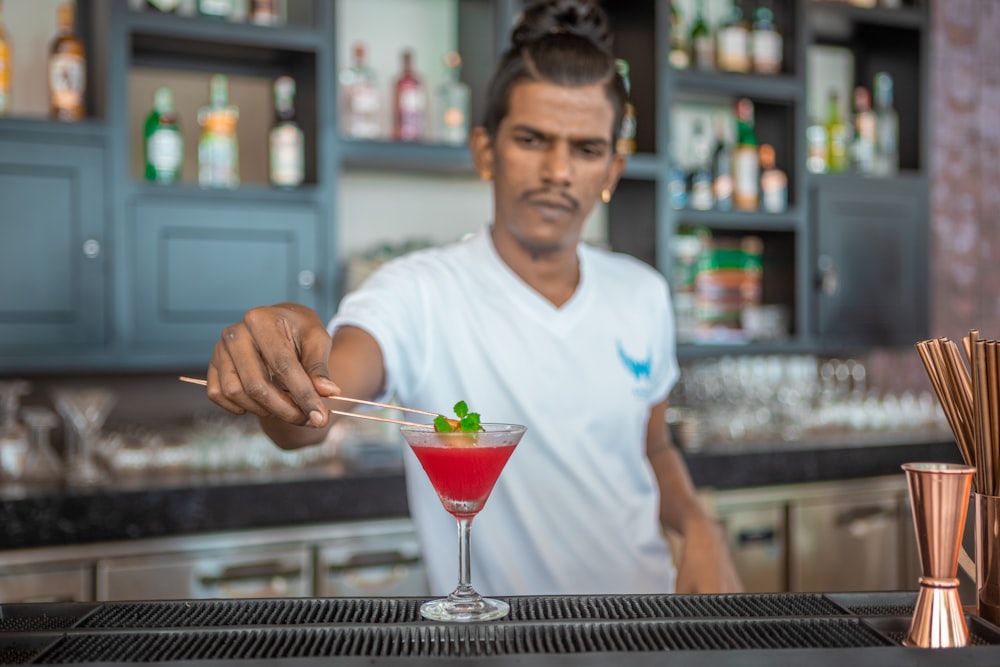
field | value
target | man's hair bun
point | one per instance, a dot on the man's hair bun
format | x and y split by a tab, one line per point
582	18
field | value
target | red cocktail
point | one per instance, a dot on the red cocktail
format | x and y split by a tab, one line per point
463	467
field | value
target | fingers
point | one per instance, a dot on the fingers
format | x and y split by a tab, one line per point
296	354
275	363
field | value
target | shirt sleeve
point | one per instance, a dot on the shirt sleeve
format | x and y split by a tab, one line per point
387	305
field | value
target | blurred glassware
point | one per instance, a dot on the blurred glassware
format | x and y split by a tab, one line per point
42	463
14	445
84	411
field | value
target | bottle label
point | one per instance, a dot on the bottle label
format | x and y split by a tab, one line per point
165	149
767	51
217	166
287	156
363	105
774	192
67	80
746	173
411	113
4	78
734	54
723	187
216	7
704	52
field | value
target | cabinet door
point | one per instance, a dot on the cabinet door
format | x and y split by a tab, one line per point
200	265
756	537
846	543
64	582
262	572
52	235
371	563
871	261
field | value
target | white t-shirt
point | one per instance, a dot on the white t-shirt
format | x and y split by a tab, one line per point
576	509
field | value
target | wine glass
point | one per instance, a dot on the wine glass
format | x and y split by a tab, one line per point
463	468
85	410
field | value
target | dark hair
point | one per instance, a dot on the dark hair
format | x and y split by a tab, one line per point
566	42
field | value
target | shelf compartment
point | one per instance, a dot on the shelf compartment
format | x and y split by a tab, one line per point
183	37
643	166
836	20
692	85
393	155
746	221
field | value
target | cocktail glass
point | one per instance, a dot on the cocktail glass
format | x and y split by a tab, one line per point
463	468
84	410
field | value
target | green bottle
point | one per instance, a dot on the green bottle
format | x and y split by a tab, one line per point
837	137
162	140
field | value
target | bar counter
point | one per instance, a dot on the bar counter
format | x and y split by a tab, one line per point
748	630
161	506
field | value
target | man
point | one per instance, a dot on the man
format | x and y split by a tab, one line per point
527	325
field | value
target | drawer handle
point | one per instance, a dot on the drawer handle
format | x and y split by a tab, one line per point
374	559
756	536
252	572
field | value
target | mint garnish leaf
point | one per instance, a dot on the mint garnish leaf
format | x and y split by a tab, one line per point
442	424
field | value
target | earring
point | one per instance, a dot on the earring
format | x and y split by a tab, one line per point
485	175
606	196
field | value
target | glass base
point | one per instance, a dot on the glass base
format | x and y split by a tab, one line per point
476	609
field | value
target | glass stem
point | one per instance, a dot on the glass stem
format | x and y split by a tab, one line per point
464	591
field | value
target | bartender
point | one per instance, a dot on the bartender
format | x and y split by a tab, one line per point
528	325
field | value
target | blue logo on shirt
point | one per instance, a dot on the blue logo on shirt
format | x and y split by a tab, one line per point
640	369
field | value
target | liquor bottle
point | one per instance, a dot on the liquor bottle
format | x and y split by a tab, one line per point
163	142
217	9
837	137
816	152
722	167
409	103
452	108
733	42
360	100
746	160
287	142
886	128
5	67
701	41
863	147
67	69
773	182
765	40
678	56
267	12
218	152
626	135
700	181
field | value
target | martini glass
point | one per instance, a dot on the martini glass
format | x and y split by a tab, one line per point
463	467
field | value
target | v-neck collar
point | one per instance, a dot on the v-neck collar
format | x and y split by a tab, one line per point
559	319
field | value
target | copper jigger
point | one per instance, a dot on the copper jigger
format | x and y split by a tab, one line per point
939	498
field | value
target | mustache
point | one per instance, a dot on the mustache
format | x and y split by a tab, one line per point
549	193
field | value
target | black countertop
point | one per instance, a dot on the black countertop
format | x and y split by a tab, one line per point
161	507
745	630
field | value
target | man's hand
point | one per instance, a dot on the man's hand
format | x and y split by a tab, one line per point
705	565
274	364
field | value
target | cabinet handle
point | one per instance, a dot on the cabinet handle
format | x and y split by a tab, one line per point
256	571
374	559
91	248
828	280
756	536
307	279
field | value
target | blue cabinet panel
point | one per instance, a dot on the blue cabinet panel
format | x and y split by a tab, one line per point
52	249
198	266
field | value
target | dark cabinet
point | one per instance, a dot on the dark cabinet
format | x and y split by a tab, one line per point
199	265
54	239
871	260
